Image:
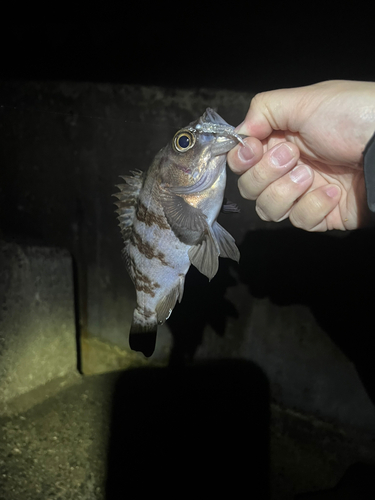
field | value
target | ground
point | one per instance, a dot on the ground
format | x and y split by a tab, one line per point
83	443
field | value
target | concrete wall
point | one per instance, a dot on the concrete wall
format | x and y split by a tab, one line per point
37	320
296	305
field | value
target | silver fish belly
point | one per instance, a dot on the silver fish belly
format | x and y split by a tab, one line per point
167	218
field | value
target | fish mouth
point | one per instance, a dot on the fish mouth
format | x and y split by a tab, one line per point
226	138
222	145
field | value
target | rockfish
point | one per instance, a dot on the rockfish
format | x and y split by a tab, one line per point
168	221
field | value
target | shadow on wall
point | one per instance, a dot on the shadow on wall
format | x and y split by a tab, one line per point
203	303
334	277
200	429
357	482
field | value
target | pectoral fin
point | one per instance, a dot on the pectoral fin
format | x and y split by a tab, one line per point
187	222
205	255
227	246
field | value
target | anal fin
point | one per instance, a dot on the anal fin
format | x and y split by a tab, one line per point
205	255
165	306
227	245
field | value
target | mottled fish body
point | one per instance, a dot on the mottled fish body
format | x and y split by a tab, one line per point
168	221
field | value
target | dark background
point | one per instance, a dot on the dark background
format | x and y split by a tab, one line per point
248	47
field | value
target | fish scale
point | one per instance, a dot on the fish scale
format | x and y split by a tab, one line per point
162	264
167	218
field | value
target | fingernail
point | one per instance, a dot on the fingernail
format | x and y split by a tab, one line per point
281	155
332	191
245	153
300	174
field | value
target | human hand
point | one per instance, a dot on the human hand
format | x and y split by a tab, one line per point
303	156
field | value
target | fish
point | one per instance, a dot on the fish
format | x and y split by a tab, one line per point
168	221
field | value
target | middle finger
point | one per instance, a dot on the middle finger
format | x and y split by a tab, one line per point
276	201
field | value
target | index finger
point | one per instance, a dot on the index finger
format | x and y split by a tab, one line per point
273	110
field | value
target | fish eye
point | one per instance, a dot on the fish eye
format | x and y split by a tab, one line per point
183	141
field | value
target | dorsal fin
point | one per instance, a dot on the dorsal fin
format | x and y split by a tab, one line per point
127	201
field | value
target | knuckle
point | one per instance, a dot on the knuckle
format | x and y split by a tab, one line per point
243	187
307	212
259	175
315	204
274	201
297	219
260	102
274	194
257	99
266	211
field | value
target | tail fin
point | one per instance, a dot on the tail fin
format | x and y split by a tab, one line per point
143	338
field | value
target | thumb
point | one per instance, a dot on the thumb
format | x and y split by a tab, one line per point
274	110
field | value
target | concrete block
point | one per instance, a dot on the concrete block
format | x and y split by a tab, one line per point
37	325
